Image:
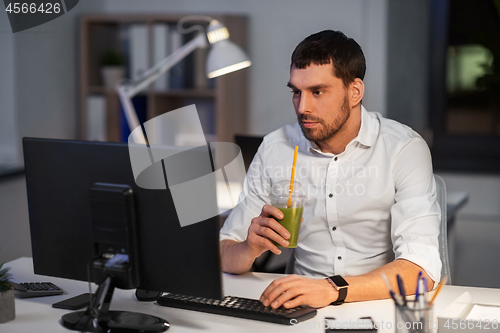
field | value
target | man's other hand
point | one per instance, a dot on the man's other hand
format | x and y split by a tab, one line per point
294	290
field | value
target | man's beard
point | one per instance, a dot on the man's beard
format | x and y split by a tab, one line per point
329	130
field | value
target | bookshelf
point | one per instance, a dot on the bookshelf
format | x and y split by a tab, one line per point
224	97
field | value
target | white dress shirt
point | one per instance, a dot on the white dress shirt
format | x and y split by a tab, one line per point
371	204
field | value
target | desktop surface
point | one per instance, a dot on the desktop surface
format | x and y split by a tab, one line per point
37	314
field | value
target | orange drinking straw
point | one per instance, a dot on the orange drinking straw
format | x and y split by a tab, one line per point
293	176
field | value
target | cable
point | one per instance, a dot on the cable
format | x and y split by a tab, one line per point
92	311
115	260
198	27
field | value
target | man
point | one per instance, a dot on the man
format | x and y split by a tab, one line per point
371	197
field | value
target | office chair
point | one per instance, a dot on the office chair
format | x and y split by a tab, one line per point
443	236
443	228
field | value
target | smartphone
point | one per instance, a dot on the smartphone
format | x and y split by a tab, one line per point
74	303
361	325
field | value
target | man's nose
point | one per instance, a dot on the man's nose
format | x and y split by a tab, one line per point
305	104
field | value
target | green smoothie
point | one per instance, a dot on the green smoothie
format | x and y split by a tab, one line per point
291	221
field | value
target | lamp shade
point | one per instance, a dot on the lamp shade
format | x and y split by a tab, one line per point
225	57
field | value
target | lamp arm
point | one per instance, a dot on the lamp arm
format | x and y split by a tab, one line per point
157	70
129	90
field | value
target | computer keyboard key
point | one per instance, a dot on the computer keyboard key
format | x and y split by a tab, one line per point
36	289
239	307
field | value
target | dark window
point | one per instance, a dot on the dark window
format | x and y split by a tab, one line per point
465	85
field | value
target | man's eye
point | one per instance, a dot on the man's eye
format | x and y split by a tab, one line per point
295	92
317	92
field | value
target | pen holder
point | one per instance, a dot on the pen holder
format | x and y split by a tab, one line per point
412	318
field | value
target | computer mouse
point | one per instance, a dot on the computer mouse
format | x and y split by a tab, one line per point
147	295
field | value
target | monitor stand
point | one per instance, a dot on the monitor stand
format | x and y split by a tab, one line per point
97	318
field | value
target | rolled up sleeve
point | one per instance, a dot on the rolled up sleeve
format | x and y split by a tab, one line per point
416	214
250	202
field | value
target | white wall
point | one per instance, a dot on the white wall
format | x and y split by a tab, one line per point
15	240
407	78
38	97
8	129
275	28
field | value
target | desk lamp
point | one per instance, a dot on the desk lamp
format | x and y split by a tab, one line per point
223	57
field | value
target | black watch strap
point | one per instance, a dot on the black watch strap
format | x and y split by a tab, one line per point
342	296
341	285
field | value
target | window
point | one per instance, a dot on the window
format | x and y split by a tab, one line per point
465	85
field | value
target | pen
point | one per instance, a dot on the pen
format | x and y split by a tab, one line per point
397	299
421	296
441	284
401	288
417	290
424	292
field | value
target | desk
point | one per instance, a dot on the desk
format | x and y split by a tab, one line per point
37	315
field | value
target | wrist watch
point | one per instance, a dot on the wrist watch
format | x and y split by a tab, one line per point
341	285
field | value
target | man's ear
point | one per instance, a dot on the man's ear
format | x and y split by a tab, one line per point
356	91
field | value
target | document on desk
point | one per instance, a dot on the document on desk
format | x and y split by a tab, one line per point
484	312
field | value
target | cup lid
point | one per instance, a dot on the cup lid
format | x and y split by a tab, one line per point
282	189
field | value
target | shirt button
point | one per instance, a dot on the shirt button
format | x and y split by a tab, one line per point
334	228
330	195
336	158
339	258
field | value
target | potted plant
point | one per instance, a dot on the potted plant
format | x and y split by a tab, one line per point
112	69
7	305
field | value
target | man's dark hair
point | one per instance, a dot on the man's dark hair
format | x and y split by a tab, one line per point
333	47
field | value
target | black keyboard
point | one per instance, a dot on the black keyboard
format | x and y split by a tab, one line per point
36	289
239	307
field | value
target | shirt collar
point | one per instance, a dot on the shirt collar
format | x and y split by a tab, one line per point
369	129
367	134
313	148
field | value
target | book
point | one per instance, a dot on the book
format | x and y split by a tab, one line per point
177	71
161	46
138	50
200	75
96	118
140	105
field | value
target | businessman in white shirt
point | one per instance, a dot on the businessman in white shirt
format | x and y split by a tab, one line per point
371	197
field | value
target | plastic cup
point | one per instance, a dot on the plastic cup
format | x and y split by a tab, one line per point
292	215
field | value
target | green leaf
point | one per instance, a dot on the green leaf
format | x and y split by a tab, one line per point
5	279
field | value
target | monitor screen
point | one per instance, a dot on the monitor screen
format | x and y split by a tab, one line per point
59	176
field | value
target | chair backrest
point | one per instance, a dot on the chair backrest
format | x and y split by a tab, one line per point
443	227
443	235
249	144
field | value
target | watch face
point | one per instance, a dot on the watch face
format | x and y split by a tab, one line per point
339	281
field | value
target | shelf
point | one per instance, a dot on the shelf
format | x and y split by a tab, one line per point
188	93
193	93
222	106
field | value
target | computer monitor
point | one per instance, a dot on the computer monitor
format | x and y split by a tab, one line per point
61	177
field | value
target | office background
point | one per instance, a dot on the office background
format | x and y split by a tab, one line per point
39	71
